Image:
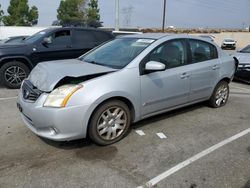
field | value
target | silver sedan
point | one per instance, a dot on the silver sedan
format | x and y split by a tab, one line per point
121	82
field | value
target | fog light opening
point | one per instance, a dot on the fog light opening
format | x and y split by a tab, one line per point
52	131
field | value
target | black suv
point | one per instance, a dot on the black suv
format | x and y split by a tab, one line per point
17	60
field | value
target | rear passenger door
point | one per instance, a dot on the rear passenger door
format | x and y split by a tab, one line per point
204	70
83	41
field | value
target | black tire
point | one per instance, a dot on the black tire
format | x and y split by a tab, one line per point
214	99
13	73
97	118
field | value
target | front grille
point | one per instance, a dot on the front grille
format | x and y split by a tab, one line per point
30	92
229	45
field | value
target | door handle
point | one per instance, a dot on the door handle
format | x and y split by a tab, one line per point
215	67
69	46
184	75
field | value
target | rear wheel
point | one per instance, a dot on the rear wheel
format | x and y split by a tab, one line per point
109	123
220	95
13	73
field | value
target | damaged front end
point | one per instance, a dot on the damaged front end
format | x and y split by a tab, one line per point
31	93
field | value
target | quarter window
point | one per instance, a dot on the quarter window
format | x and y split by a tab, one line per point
202	51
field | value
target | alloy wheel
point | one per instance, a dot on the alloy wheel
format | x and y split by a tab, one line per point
221	95
112	123
15	75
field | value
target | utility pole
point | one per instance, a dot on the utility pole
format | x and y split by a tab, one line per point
164	15
117	12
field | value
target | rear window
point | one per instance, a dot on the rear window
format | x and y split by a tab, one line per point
229	40
81	36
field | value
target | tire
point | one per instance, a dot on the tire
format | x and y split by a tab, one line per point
220	95
13	73
104	122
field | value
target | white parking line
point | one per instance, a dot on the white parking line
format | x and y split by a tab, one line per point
187	162
161	135
7	98
140	132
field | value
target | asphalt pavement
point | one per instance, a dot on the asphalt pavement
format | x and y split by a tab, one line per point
29	161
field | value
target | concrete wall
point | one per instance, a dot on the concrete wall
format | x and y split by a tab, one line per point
242	38
9	31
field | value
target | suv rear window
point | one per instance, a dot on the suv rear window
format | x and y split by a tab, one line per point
102	36
82	36
202	51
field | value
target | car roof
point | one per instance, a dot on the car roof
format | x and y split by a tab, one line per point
78	28
157	36
154	36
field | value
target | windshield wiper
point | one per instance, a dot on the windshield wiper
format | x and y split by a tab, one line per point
94	62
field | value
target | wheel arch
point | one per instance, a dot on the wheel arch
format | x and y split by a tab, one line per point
21	59
226	79
120	98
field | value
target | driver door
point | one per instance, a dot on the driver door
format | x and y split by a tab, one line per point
165	89
58	46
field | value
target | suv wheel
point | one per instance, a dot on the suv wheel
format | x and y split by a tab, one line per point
13	73
109	123
220	95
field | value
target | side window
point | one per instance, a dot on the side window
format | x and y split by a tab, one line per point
172	54
102	36
83	37
60	38
202	51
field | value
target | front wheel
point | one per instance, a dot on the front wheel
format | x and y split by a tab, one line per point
220	95
13	73
109	123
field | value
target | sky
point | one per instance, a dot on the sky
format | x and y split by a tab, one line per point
148	13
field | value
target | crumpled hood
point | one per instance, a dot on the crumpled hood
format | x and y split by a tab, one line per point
46	75
244	58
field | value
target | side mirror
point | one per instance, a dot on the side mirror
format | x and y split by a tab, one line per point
154	66
46	41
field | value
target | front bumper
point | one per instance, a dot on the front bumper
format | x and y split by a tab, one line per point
228	46
59	124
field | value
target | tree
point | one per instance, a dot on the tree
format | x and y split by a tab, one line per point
93	16
71	12
1	14
20	14
93	11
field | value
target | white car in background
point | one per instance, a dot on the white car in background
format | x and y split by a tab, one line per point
228	44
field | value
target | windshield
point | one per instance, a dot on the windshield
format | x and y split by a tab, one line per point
229	40
35	37
117	53
245	50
